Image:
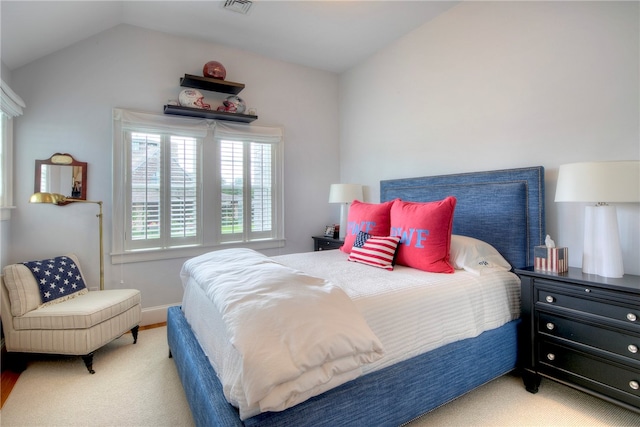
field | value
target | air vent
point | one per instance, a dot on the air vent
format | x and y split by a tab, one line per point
240	6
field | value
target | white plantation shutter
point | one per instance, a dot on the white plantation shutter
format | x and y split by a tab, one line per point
145	187
262	187
247	178
164	182
232	187
184	187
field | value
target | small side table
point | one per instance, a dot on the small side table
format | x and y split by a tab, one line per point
322	243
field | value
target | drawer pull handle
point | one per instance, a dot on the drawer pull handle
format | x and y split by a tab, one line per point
634	385
587	290
632	348
632	317
550	326
551	356
549	298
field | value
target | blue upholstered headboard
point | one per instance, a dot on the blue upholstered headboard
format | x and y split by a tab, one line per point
504	208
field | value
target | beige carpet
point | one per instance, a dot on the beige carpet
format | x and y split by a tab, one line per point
137	385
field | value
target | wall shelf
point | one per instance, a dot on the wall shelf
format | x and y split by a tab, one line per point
208	114
215	85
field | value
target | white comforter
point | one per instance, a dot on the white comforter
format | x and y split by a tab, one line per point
297	335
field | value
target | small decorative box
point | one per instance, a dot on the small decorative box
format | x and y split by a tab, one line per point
554	260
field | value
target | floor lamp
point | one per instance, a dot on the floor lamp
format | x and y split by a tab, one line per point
600	183
344	194
59	199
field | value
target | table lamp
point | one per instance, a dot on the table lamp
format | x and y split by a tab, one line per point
59	199
344	194
600	183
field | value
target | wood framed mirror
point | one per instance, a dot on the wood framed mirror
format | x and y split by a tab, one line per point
61	174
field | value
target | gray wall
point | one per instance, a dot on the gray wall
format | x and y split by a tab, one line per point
487	85
493	85
69	97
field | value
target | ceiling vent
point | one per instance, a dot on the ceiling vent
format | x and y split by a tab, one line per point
240	6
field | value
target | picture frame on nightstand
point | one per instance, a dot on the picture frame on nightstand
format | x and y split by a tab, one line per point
329	231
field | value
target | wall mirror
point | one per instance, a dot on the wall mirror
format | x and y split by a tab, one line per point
62	174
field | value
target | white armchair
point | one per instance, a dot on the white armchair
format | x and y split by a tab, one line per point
78	325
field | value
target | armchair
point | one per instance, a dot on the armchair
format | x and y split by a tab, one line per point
76	325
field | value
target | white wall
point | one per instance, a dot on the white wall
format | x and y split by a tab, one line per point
70	95
493	85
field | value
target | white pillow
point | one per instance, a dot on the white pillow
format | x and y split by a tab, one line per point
475	256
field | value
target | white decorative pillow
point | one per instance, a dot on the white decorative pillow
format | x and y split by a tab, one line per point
475	256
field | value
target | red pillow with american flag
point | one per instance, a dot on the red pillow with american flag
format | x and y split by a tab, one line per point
376	251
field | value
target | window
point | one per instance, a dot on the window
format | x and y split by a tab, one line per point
190	186
11	106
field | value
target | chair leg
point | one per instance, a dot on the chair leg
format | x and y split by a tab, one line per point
88	361
15	362
134	332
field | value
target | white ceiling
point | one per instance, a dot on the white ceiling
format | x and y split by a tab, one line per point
332	35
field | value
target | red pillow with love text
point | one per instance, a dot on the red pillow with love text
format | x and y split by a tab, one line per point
425	233
371	218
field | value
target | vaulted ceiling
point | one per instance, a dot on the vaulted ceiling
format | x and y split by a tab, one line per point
331	35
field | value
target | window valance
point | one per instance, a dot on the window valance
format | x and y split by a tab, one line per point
10	103
150	122
238	132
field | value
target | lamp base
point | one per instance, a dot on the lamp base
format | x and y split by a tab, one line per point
344	213
602	254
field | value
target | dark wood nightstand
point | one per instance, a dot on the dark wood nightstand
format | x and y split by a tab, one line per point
582	330
322	243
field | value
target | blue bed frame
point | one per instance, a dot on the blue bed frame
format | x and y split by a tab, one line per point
504	208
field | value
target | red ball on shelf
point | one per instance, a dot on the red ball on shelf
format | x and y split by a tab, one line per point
215	70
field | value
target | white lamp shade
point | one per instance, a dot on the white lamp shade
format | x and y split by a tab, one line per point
345	193
611	182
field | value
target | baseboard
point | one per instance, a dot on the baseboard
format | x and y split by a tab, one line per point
154	315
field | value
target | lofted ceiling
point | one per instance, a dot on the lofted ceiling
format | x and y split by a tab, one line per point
331	35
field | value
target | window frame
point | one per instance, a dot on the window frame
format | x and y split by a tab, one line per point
209	188
11	106
6	166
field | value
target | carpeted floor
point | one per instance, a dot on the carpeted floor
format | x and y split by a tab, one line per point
138	385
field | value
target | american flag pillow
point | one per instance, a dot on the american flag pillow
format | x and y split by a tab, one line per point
58	278
376	251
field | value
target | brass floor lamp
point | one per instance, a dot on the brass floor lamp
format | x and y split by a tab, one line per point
58	199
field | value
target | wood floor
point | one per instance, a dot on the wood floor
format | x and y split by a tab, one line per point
9	378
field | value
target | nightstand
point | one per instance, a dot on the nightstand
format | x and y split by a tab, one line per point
322	243
582	330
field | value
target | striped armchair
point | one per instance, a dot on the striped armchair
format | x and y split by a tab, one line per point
78	325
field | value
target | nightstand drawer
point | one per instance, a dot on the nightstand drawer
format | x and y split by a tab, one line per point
329	245
590	371
321	243
617	342
630	315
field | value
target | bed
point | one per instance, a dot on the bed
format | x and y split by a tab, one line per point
504	208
